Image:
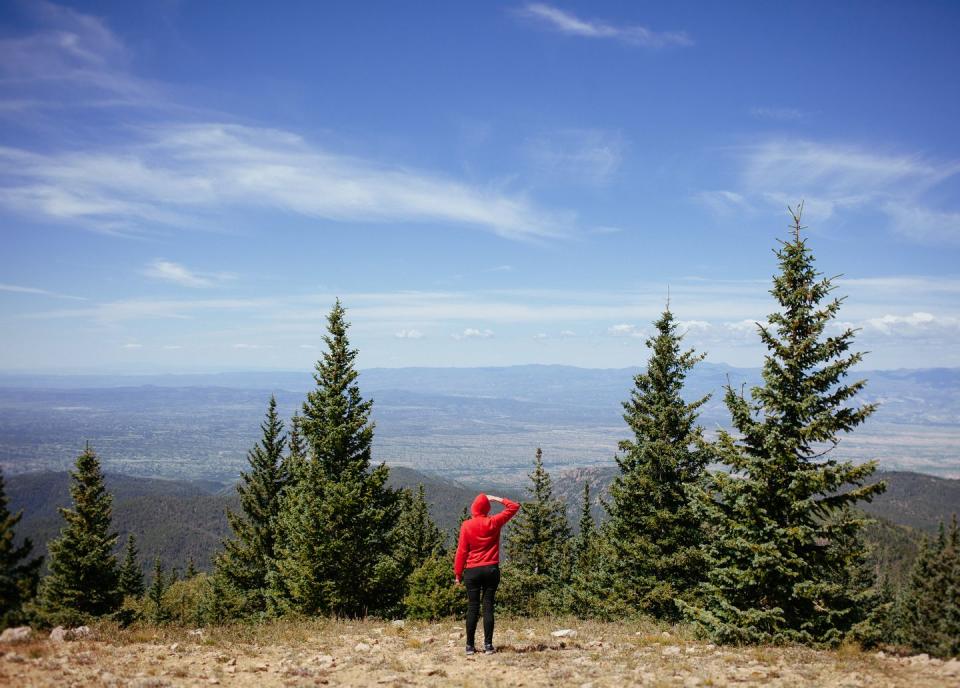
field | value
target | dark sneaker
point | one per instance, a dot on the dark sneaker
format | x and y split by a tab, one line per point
471	650
488	649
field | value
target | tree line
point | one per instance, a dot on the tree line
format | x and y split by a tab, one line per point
752	536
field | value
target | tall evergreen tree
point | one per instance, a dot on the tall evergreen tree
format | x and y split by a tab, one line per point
586	529
537	547
83	578
248	556
297	451
653	528
336	521
130	580
775	519
932	605
18	572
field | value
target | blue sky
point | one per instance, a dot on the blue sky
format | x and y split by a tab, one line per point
188	186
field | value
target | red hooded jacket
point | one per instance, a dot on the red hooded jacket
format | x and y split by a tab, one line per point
480	536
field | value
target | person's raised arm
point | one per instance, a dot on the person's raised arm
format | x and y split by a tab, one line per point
510	509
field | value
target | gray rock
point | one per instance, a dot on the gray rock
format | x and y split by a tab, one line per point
16	635
58	634
564	633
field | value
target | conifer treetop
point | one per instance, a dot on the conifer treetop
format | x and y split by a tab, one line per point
336	419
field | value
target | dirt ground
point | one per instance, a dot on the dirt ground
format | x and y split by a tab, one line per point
371	653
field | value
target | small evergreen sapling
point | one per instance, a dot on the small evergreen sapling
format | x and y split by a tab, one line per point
131	573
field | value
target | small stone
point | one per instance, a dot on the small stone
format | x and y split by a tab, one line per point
213	680
881	654
398	623
388	679
361	647
564	633
196	632
665	634
79	632
922	658
18	634
231	669
58	634
670	650
174	647
456	634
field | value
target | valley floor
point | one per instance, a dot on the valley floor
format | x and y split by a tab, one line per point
371	653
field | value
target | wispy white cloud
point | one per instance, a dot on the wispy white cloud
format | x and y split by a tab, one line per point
178	174
833	179
18	289
590	156
243	345
572	25
132	345
168	271
473	333
626	330
783	114
409	334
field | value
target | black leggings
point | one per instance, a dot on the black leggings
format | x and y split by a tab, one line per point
481	580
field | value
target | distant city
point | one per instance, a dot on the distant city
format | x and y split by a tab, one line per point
471	424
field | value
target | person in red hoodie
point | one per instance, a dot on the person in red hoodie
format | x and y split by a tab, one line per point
477	564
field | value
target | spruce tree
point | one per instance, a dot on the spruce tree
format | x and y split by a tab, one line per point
83	577
652	526
158	586
248	556
416	536
932	604
18	572
586	530
537	548
191	569
774	521
336	520
130	579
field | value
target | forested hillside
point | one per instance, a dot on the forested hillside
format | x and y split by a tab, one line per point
914	503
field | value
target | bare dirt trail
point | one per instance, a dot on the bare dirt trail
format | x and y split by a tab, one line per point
370	653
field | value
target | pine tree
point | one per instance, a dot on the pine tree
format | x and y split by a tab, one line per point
537	547
774	521
336	521
932	605
297	454
130	579
158	586
416	536
652	526
586	530
191	569
248	556
18	572
83	578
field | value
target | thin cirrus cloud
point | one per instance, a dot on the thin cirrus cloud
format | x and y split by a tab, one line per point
36	291
833	179
409	334
568	23
180	174
587	155
177	174
175	273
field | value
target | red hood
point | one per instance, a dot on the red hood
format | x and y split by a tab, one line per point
481	505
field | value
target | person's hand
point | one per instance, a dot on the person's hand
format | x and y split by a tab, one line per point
458	581
492	498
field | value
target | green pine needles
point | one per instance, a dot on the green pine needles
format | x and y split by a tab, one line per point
653	530
83	578
334	546
779	535
247	558
19	572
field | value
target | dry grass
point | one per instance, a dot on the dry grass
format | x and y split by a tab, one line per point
374	653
